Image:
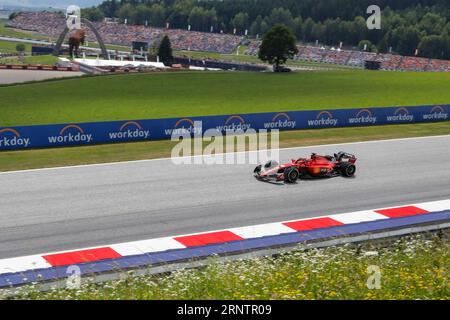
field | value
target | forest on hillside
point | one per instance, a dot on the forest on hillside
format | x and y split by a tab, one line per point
406	25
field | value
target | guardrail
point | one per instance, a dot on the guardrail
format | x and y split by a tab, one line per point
57	135
36	67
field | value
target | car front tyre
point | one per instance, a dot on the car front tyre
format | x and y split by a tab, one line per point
291	175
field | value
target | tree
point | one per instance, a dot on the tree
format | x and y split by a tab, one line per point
109	8
298	30
165	51
14	15
432	23
202	20
367	45
332	33
20	48
277	46
255	28
307	29
408	40
92	14
143	14
264	26
434	46
127	12
157	16
383	45
318	32
240	22
196	18
281	16
360	28
179	13
210	19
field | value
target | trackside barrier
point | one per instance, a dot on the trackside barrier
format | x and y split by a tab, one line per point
35	67
220	65
57	135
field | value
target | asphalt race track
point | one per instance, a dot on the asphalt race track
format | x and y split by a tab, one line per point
19	76
69	208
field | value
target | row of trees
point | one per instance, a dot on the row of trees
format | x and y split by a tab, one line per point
407	25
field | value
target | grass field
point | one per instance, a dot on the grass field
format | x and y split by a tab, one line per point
43	59
140	96
57	157
411	268
10	47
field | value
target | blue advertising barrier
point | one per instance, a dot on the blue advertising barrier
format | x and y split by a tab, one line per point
57	135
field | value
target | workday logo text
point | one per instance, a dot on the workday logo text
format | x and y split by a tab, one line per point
364	116
280	121
400	115
234	123
11	138
324	118
182	127
71	134
130	130
436	113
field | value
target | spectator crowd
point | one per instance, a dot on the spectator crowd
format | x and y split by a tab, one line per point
52	24
357	58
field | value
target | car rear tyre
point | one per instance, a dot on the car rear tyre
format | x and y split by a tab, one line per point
291	175
348	169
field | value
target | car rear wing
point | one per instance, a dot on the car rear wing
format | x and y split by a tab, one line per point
346	156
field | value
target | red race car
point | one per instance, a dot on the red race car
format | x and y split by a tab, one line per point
341	164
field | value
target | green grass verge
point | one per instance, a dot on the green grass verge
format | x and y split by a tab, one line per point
44	158
414	267
10	46
162	95
42	59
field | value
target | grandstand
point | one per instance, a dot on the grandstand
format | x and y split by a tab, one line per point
52	24
337	56
439	65
389	61
414	64
354	58
314	54
357	58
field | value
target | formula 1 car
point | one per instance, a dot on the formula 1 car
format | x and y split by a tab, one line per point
341	164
